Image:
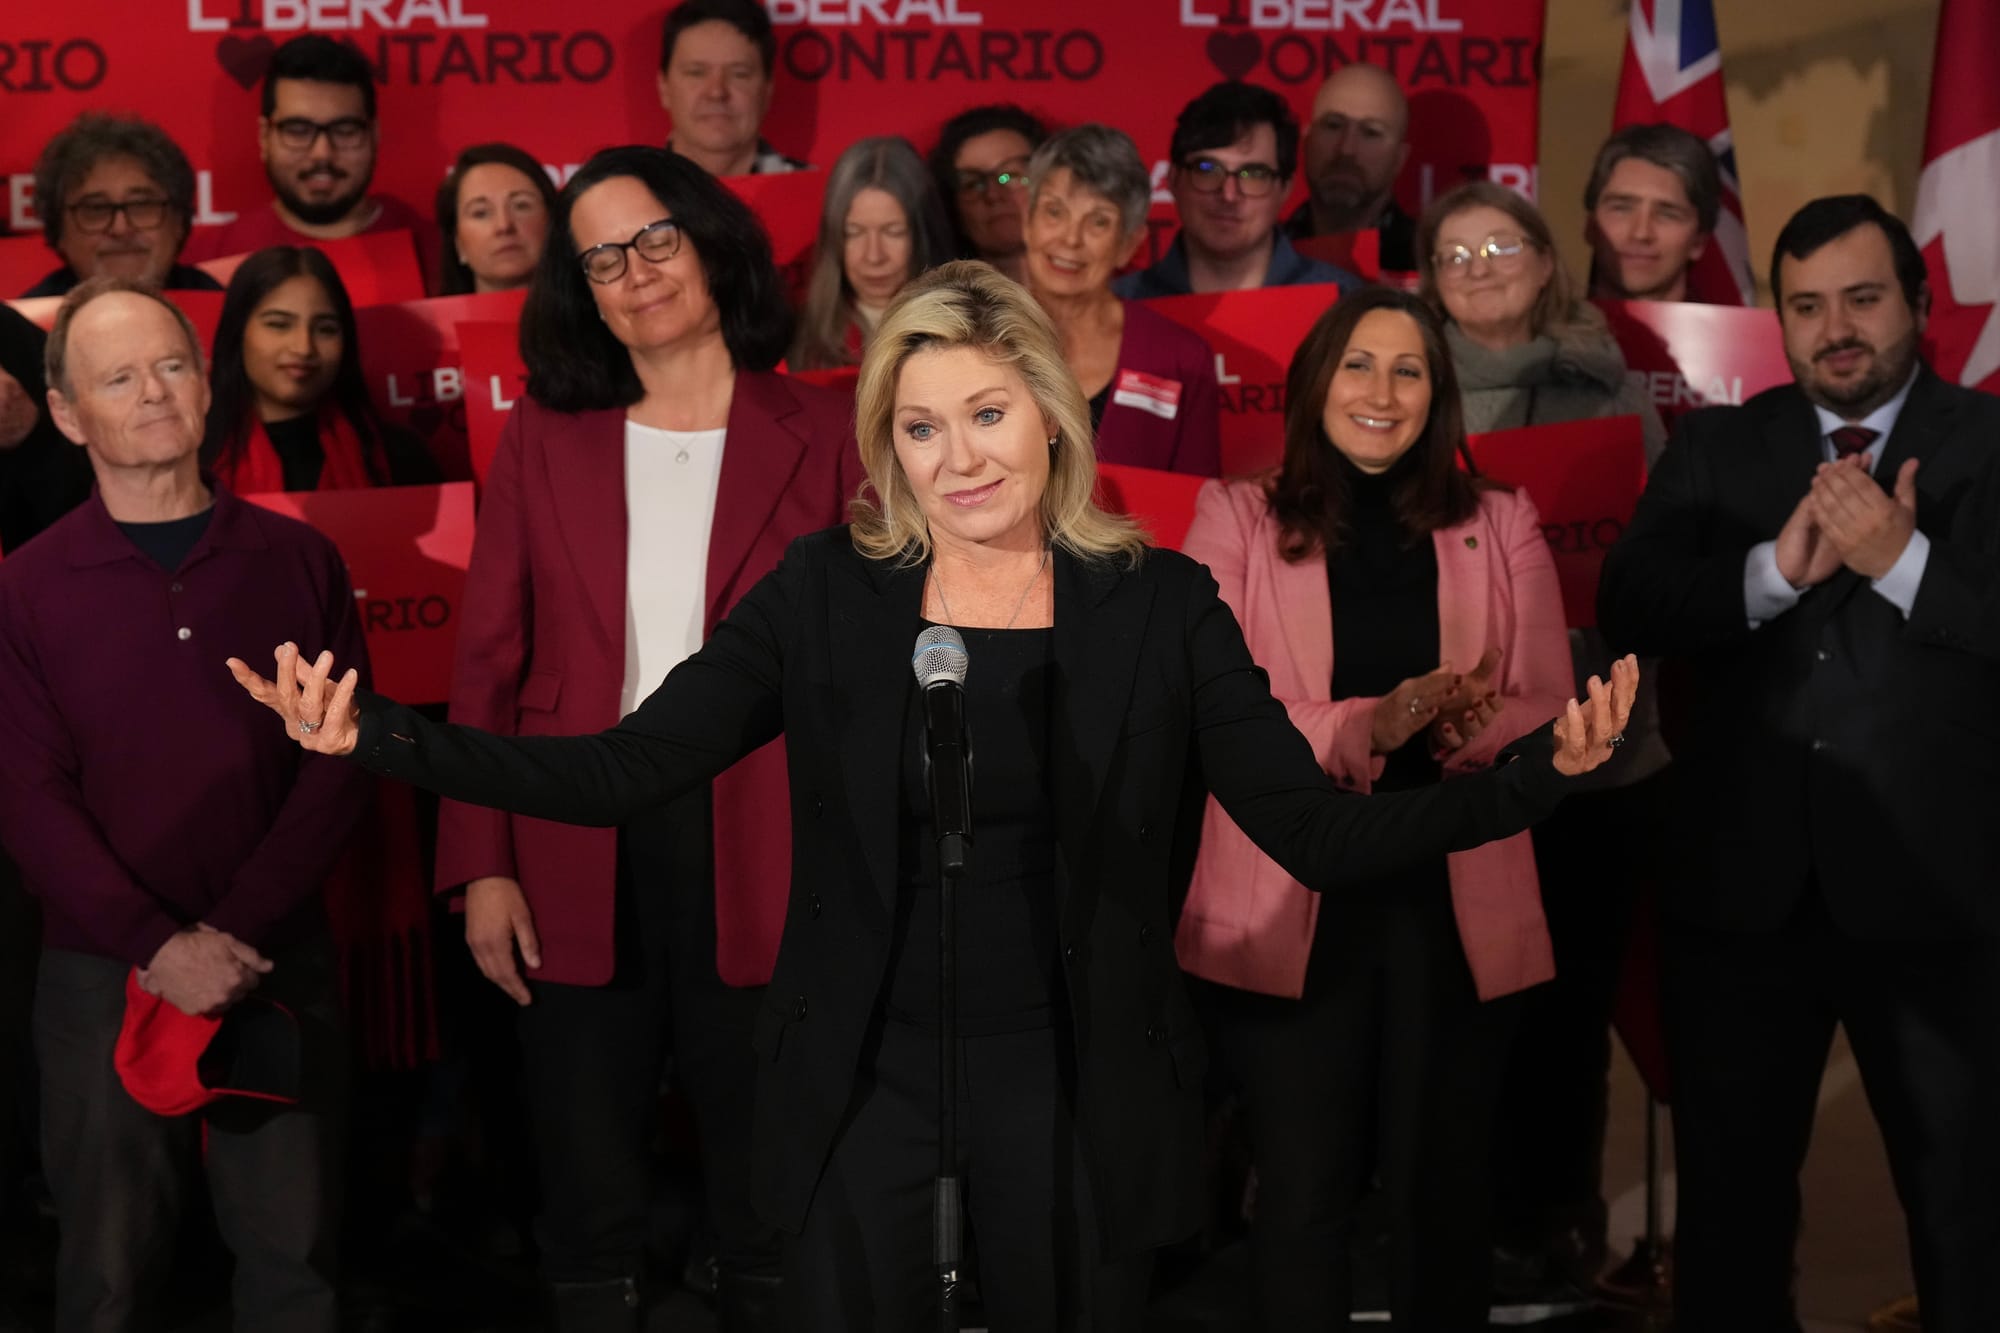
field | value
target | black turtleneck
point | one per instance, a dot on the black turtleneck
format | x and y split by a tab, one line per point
1383	582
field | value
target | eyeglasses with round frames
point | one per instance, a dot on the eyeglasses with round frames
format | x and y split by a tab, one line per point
1009	175
95	215
1252	182
1502	250
299	134
656	242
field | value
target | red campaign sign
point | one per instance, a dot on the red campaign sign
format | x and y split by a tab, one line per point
561	81
1162	501
494	377
406	549
376	269
1689	355
788	204
1254	334
411	362
203	309
1585	478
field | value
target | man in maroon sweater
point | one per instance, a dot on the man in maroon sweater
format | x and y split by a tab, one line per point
165	830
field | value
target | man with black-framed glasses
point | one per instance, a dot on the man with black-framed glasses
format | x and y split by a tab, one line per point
115	195
318	137
1235	150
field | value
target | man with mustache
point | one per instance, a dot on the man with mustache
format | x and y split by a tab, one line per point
318	137
1356	146
116	196
1828	554
1234	151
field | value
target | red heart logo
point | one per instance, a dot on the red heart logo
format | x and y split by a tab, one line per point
245	59
1234	53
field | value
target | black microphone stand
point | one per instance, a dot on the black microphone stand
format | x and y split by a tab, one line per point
947	1216
940	664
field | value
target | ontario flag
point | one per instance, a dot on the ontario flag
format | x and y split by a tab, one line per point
1958	196
1673	76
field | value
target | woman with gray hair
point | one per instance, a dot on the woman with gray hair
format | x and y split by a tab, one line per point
882	224
1150	382
117	196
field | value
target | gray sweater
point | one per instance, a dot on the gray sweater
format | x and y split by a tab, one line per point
1575	374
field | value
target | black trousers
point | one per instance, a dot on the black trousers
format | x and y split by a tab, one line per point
1387	1068
862	1262
119	1173
1749	1020
1591	856
593	1058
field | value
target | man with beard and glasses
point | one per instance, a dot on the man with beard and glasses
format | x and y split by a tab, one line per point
1828	554
318	138
1356	146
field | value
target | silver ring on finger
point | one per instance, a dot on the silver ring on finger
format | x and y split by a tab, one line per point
308	728
1615	740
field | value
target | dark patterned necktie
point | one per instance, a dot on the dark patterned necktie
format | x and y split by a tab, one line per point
1850	440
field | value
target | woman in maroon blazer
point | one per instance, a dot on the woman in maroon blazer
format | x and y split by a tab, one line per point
653	472
1150	382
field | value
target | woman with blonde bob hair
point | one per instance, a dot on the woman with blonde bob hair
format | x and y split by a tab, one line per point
1096	667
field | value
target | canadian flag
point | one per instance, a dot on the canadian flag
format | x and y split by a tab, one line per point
1958	196
1673	75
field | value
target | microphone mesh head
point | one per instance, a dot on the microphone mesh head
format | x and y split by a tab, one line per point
940	655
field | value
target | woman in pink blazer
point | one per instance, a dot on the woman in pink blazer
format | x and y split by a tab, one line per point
1368	1032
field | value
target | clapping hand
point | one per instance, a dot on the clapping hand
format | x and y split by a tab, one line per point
321	719
1470	708
1410	707
1589	731
1866	527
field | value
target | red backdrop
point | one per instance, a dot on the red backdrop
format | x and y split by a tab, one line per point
562	81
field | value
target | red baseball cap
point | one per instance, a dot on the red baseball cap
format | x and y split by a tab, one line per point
174	1063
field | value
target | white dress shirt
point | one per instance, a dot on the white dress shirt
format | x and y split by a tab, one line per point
1766	594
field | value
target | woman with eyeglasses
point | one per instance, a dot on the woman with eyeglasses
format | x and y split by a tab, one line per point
117	197
880	226
980	164
1530	353
493	219
653	471
1150	382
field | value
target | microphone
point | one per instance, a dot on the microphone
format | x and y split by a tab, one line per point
940	662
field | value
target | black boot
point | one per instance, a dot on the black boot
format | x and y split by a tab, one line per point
597	1307
747	1303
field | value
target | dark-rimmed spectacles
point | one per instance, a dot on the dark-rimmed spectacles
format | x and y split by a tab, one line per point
299	134
1207	176
95	215
1009	175
656	243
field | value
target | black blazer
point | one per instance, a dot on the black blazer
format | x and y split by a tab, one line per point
1837	740
1150	669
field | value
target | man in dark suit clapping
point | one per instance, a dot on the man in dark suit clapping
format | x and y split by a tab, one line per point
1826	558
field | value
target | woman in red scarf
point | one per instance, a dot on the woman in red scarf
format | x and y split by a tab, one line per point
289	410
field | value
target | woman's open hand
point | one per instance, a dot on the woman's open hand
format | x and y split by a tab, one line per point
1588	732
323	719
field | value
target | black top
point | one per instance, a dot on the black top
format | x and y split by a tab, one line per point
1008	978
1098	402
168	543
1383	584
180	278
299	451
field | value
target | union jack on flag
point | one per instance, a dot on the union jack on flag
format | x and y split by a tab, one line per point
1673	76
